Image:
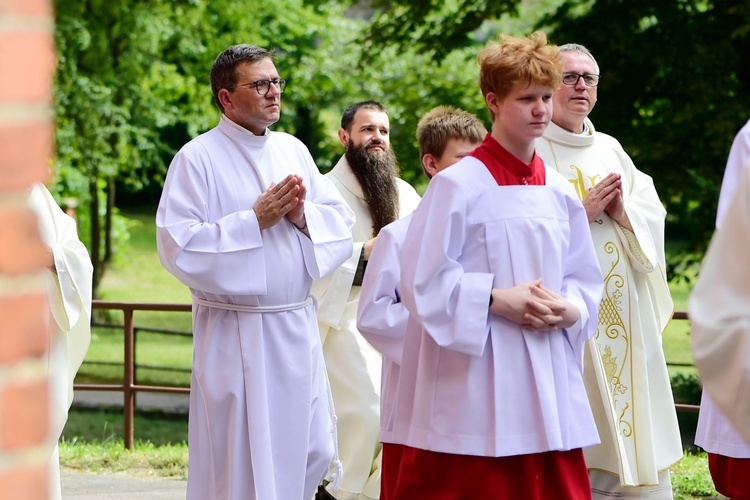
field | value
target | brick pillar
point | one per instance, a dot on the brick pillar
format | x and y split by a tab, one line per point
27	58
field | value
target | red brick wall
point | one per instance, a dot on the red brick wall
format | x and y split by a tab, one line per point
27	58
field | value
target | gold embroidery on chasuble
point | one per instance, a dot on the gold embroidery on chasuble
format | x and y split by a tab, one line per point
613	331
613	339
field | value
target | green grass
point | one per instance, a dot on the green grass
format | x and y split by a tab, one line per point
106	426
147	460
163	360
137	276
676	338
691	479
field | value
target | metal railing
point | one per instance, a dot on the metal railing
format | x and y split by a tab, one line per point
129	388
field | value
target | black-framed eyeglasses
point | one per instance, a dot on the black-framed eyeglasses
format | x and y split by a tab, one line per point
263	87
588	79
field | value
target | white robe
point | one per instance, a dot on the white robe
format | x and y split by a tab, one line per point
382	317
471	382
353	365
719	309
626	373
739	156
259	419
69	294
715	433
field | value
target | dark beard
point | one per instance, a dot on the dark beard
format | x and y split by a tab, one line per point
376	174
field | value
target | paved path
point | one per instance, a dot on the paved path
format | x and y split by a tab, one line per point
89	486
173	403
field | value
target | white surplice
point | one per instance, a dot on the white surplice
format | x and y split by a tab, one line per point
715	433
69	293
382	317
739	156
259	416
719	309
354	367
626	373
471	382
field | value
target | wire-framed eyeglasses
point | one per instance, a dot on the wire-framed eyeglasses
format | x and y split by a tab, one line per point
588	79
263	87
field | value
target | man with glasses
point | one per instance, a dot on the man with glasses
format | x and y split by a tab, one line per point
247	222
367	178
625	370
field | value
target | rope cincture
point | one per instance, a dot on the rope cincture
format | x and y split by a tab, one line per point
337	473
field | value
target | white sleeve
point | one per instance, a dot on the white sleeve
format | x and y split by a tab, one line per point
719	311
381	316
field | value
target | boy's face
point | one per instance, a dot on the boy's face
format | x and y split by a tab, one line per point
455	149
524	113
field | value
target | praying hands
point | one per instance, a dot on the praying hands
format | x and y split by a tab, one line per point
283	199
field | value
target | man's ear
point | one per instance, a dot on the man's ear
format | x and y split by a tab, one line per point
225	98
428	162
343	137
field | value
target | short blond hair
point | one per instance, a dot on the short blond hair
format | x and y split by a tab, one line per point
443	123
509	61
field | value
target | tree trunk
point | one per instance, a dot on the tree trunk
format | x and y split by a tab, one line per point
95	223
109	249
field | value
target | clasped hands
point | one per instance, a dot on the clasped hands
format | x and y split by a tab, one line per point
606	196
285	199
534	306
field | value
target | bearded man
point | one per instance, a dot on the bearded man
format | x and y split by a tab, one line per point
367	178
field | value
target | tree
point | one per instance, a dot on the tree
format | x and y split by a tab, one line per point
132	87
672	91
674	75
102	47
433	27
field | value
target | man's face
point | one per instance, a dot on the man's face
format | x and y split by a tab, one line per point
574	103
245	106
455	150
369	130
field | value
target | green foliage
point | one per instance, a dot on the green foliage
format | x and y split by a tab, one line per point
411	84
432	27
686	389
132	84
673	92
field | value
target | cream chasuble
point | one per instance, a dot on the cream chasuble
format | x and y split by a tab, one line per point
69	294
625	370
